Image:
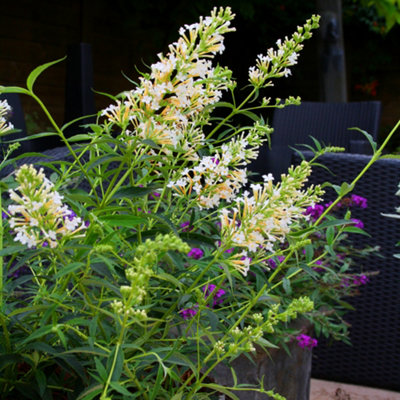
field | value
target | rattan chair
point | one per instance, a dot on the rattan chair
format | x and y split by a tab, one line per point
18	120
327	122
373	359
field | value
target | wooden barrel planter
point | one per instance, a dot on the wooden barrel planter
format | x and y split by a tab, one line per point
288	375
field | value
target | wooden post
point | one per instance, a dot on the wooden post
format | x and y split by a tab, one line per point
333	84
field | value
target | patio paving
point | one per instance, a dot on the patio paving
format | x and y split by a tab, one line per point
324	390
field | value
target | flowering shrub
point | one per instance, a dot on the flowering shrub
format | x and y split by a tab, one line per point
146	258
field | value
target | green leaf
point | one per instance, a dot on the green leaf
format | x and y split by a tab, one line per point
69	268
120	389
343	189
177	396
100	369
286	286
37	71
35	136
165	221
8	358
81	196
264	342
106	159
309	252
220	389
354	229
85	349
44	330
169	278
198	239
81	137
126	220
150	143
367	136
334	222
118	354
130	192
180	359
250	115
41	381
76	120
157	384
91	392
330	234
11	250
13	89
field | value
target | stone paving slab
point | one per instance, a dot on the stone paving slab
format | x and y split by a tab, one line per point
324	390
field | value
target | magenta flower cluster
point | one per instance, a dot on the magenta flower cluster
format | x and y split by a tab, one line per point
272	263
186	227
314	211
188	313
208	290
352	201
196	253
356	281
359	201
305	341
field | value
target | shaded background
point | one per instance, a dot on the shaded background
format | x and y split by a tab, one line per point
127	34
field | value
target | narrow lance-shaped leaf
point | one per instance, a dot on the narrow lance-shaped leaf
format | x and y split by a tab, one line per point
37	71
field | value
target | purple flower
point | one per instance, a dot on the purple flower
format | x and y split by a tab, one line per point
272	262
4	215
318	269
196	253
360	280
230	250
337	205
305	341
186	227
188	313
71	215
358	223
314	211
359	201
152	196
345	282
209	291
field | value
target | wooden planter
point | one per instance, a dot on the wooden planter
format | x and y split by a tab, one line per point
287	375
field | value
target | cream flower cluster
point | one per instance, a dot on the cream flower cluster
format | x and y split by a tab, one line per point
276	62
39	218
5	110
167	104
264	217
212	180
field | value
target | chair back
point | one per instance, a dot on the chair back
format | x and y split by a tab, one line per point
327	122
18	120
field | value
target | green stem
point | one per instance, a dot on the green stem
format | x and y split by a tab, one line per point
232	113
64	139
104	394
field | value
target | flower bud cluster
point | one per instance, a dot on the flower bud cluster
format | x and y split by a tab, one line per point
39	218
141	270
276	63
5	111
